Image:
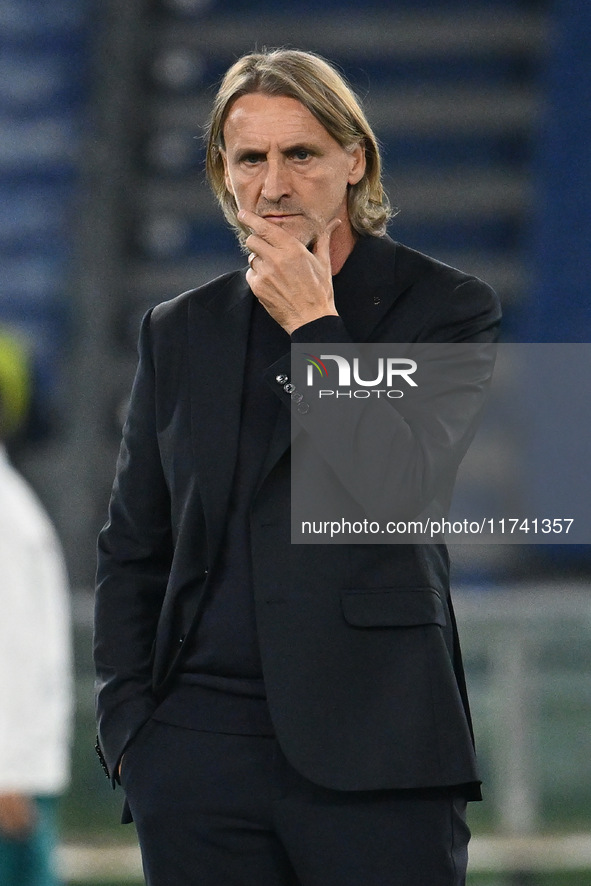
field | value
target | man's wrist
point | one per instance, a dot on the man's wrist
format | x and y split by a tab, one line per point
329	327
312	320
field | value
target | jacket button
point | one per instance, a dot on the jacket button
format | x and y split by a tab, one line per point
289	388
281	378
303	407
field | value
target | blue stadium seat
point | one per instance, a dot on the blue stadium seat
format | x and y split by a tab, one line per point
33	219
25	19
36	79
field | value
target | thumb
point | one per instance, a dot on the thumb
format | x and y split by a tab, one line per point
322	245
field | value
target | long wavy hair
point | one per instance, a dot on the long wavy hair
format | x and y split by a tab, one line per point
323	91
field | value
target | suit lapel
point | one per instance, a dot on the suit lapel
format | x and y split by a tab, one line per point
218	338
367	287
279	443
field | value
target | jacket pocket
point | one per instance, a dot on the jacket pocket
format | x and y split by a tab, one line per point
393	607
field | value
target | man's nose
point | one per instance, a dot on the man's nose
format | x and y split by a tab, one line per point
276	184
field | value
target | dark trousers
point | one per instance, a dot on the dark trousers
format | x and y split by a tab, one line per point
229	810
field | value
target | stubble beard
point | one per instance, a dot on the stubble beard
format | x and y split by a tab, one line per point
309	226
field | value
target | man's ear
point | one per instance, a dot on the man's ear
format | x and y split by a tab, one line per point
358	163
227	180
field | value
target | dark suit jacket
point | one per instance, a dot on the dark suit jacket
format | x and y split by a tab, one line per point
358	642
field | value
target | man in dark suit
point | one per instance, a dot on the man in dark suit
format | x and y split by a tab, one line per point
281	713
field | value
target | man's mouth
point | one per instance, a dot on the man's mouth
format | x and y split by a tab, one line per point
280	216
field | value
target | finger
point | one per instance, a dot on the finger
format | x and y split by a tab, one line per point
264	229
251	261
258	246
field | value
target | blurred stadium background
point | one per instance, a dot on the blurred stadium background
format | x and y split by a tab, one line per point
484	114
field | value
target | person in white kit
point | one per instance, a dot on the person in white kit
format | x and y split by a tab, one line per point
35	658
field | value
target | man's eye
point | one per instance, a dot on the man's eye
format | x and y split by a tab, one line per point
302	154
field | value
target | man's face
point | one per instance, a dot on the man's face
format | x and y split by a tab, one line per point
282	164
